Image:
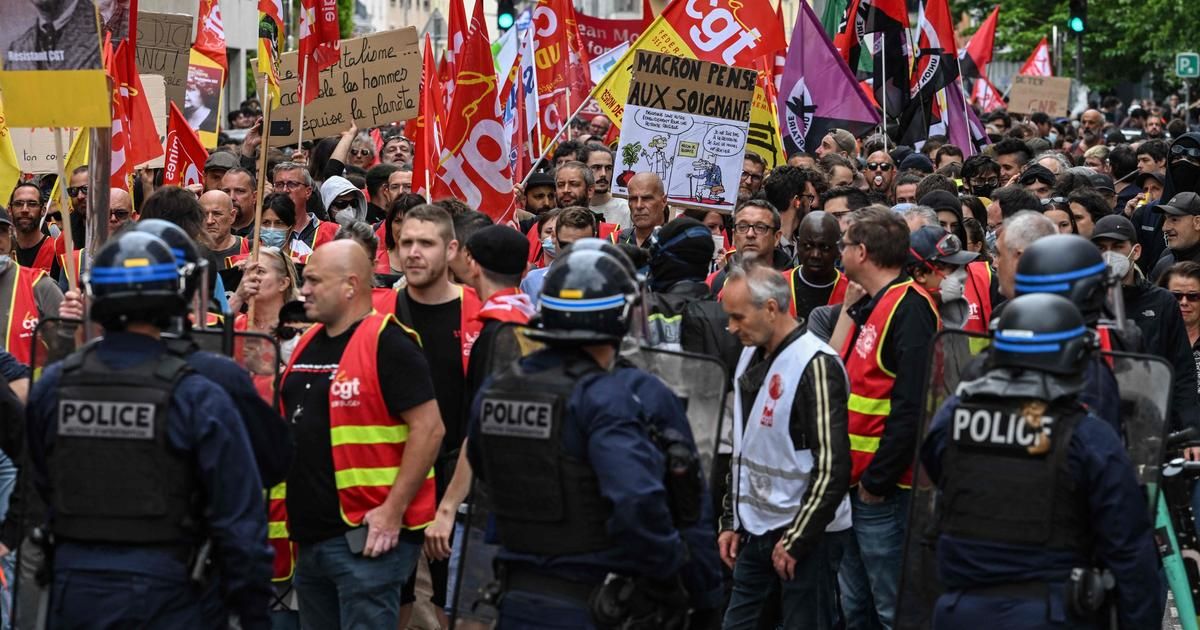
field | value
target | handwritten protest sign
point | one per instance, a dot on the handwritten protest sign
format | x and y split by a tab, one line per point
376	81
163	46
686	120
63	59
1040	94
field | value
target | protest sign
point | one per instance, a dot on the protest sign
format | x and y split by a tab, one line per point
164	47
376	81
202	97
61	59
1040	94
687	121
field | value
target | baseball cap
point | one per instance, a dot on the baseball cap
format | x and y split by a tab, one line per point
1116	227
499	249
222	160
539	179
942	200
1182	204
1036	173
844	140
1141	178
1103	182
916	161
934	244
4	218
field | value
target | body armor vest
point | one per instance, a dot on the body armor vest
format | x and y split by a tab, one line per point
546	502
1007	477
114	474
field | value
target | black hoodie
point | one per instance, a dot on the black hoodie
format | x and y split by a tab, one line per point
1182	176
1156	313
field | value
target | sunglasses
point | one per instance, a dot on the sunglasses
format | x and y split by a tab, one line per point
1190	296
1053	200
1188	151
361	152
120	215
879	166
75	191
341	204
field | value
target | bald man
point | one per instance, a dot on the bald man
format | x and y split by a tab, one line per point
647	208
218	227
120	210
1092	120
360	371
816	281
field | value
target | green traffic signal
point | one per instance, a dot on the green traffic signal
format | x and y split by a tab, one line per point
504	20
1075	24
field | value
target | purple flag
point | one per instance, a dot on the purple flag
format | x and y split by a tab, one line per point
962	125
818	93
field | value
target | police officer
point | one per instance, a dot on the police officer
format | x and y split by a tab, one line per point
1070	266
1035	487
574	449
270	436
146	467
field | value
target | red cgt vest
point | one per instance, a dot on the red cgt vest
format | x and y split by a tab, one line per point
978	294
44	260
870	382
835	297
384	301
22	314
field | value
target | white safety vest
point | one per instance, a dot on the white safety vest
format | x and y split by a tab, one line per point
769	475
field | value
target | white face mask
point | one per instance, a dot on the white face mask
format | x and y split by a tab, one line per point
1118	262
5	261
952	285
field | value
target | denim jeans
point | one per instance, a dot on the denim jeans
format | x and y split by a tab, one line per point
870	575
806	601
339	589
520	610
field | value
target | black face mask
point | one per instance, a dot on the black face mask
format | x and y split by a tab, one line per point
1185	175
983	191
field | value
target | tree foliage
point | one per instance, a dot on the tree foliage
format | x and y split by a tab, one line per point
1125	39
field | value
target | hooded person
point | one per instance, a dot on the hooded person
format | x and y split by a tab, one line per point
1180	242
344	203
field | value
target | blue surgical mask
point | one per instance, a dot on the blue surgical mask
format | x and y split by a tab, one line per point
273	237
1052	138
549	247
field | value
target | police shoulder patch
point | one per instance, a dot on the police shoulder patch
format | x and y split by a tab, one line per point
106	419
1018	430
519	418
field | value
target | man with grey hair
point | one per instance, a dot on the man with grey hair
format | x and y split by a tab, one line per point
787	504
294	180
1016	235
611	210
574	184
1054	161
918	216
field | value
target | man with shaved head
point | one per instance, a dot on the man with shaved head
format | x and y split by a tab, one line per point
218	227
647	208
355	512
120	210
816	281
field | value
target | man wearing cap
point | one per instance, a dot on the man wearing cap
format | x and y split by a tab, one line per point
837	141
496	260
1151	183
1181	229
1103	183
916	162
937	261
539	194
216	166
1155	312
1038	180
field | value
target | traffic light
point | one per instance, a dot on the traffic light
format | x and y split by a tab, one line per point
1077	19
506	14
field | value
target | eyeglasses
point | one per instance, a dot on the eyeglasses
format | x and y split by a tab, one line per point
879	166
361	152
24	203
761	229
1188	151
754	177
75	191
1190	296
842	245
341	204
289	185
120	215
811	199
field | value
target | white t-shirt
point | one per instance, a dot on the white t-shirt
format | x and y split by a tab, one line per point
615	211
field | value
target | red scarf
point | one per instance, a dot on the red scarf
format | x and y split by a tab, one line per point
507	305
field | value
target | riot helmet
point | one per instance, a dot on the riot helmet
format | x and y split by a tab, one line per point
1042	332
587	296
1067	265
134	277
187	256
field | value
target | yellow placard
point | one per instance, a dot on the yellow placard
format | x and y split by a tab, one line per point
26	103
202	97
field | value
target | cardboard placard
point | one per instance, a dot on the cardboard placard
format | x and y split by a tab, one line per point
65	60
1051	95
686	120
376	80
163	47
34	147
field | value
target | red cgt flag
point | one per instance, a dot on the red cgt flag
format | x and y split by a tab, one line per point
319	35
474	163
730	32
563	75
458	33
210	34
426	132
184	161
141	135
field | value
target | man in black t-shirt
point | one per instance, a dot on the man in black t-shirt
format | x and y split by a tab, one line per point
342	381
